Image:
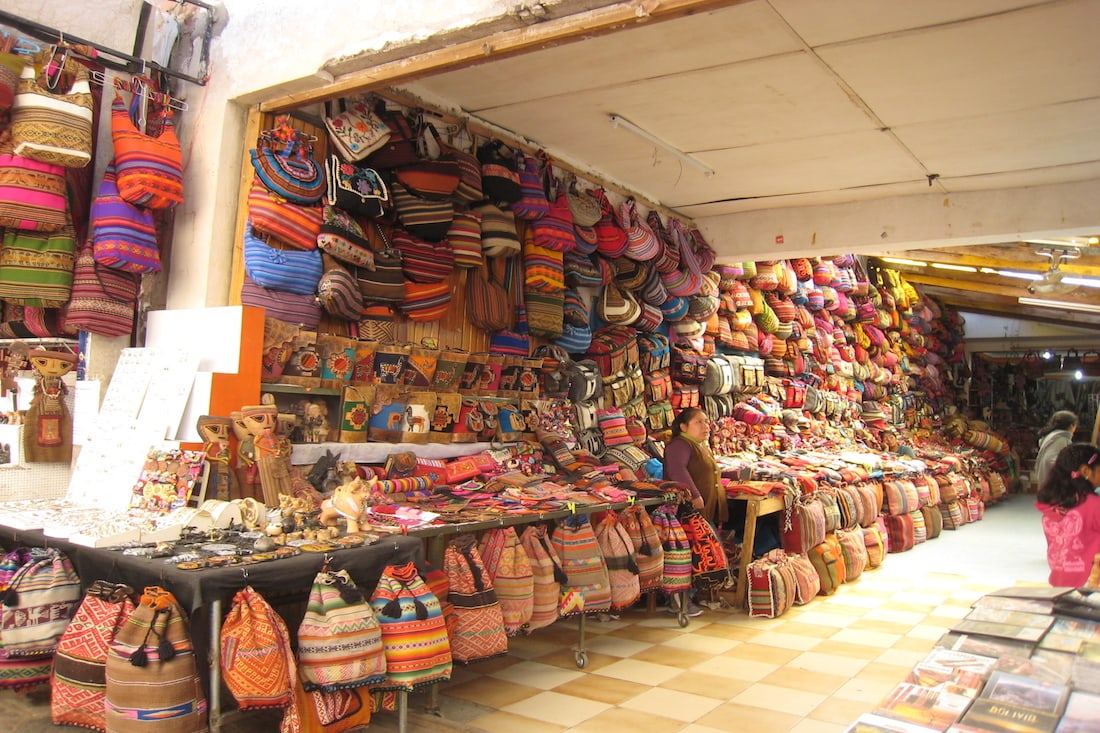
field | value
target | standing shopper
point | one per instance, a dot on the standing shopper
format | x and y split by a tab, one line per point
1055	435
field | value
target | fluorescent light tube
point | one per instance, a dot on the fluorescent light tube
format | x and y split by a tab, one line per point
1066	305
903	261
1020	275
957	268
1085	282
625	124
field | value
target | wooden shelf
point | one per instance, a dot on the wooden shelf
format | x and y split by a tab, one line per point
299	389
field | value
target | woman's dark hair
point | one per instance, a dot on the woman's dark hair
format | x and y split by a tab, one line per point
1061	420
1064	486
683	419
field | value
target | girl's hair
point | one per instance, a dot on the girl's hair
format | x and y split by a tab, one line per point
683	419
1061	420
1065	487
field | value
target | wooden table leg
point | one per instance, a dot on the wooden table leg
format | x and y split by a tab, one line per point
748	539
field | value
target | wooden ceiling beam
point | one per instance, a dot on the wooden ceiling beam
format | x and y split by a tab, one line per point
1001	258
501	44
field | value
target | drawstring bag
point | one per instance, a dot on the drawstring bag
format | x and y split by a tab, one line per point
547	576
257	662
151	670
479	621
339	640
78	683
327	712
574	542
414	633
648	553
38	602
676	574
618	553
510	573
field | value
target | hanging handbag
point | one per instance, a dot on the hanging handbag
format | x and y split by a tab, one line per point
283	160
574	543
425	218
78	682
297	309
293	271
36	268
618	305
292	224
385	281
478	630
555	229
356	131
102	299
582	205
50	127
38	602
124	236
421	261
465	238
257	661
499	237
339	639
641	242
356	189
532	204
431	178
487	303
151	669
150	169
469	189
499	175
426	302
611	239
33	194
414	633
338	293
400	147
342	237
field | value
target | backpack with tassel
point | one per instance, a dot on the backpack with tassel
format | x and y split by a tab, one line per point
414	632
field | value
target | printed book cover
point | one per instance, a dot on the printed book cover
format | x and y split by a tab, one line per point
958	672
1013	703
1082	713
986	646
993	628
933	707
871	723
1045	665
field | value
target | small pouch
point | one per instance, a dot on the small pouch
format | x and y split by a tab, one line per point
471	373
491	374
337	359
389	363
355	410
444	417
418	411
448	370
420	366
304	365
387	420
363	367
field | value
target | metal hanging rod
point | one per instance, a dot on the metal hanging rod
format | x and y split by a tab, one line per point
127	63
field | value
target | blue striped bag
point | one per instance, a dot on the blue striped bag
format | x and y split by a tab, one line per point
292	271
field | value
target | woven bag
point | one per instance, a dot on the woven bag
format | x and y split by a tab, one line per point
339	639
465	238
423	261
414	633
533	203
78	681
710	567
123	235
825	559
257	662
292	271
356	131
853	552
51	127
38	602
807	582
478	632
295	225
102	299
36	268
499	237
618	553
150	169
648	553
499	173
510	573
338	293
356	189
772	586
283	161
487	303
555	230
574	543
676	574
547	576
426	218
301	310
33	194
426	302
151	670
342	237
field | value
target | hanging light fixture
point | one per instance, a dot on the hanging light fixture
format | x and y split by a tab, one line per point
624	124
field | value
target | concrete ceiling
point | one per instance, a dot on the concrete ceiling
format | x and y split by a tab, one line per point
803	103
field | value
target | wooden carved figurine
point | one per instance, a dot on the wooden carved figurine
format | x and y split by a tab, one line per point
272	452
215	435
48	435
244	464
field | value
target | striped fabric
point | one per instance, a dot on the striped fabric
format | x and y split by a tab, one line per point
426	302
806	527
771	590
555	231
292	271
617	549
920	531
498	231
78	685
295	225
648	553
546	576
36	268
543	268
48	592
900	532
510	572
676	575
465	238
826	559
574	542
32	193
807	583
53	128
414	634
165	690
532	204
933	521
102	299
478	631
875	543
425	218
339	639
150	169
423	261
296	309
853	552
124	236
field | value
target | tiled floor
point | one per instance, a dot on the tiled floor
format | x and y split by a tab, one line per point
813	670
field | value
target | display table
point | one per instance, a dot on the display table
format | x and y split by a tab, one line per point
210	588
756	506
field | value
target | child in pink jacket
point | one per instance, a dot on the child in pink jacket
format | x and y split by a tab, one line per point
1071	514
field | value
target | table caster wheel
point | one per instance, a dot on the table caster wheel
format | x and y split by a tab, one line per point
682	619
581	658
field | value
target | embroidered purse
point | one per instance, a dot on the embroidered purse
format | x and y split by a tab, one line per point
356	189
53	128
342	237
32	193
356	131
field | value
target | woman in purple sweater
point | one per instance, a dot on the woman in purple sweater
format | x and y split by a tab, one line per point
688	461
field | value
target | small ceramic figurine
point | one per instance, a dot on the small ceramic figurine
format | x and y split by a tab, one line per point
349	502
48	437
215	435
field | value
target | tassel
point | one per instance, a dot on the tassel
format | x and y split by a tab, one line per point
11	597
139	658
350	594
560	576
632	565
392	609
421	610
645	549
166	651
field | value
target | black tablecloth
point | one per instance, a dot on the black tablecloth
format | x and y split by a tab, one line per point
197	588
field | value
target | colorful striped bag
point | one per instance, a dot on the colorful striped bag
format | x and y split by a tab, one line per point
547	576
150	169
339	639
510	572
676	574
648	553
414	633
618	553
257	661
574	542
124	236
